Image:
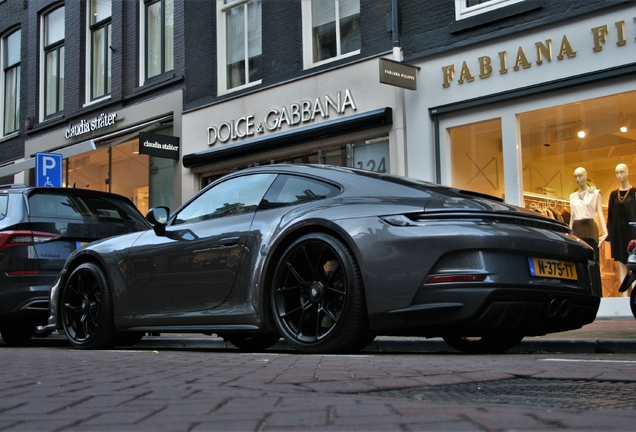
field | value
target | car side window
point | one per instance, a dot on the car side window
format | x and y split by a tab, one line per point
4	203
290	190
238	195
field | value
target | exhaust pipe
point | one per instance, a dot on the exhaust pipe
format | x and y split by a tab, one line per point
558	307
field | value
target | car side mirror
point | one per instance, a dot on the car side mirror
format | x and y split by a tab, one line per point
158	218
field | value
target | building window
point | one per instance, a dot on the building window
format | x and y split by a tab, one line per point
100	26
53	80
11	70
159	37
331	29
468	8
240	30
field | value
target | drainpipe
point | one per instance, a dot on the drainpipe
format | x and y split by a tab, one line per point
395	31
399	117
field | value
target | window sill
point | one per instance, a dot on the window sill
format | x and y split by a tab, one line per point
239	88
495	15
96	101
331	60
157	82
10	136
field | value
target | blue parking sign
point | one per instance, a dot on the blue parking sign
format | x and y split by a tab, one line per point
48	169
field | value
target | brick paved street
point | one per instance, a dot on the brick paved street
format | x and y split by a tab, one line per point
53	387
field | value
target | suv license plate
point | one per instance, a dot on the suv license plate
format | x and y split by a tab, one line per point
552	268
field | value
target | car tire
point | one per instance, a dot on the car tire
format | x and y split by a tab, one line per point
252	342
86	308
17	336
632	302
493	344
317	297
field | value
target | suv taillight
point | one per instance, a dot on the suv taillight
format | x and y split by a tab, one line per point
24	238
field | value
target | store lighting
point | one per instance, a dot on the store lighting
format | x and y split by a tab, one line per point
624	127
583	132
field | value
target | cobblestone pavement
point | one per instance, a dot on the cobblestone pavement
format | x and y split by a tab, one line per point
52	387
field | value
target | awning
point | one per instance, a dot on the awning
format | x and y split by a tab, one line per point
328	129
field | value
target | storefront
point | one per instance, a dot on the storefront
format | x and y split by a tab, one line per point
343	118
516	117
134	152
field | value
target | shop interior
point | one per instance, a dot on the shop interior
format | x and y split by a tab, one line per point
596	134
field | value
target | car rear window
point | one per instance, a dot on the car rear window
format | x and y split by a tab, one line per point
82	207
4	202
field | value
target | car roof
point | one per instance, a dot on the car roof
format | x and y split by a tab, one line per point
28	190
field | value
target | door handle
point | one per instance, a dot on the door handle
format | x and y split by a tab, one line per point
230	241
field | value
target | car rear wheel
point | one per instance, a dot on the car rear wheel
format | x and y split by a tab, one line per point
18	335
318	298
252	342
86	308
632	302
483	345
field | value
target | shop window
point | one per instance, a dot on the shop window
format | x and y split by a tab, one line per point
99	52
371	155
597	135
469	8
53	62
240	43
158	37
477	157
331	30
118	169
11	72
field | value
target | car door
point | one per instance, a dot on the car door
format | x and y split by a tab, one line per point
191	268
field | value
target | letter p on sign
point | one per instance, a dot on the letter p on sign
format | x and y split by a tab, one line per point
48	168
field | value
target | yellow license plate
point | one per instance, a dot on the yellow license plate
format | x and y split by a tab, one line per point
552	268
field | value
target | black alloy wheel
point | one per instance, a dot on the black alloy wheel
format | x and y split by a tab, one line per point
318	298
632	302
252	342
86	308
492	344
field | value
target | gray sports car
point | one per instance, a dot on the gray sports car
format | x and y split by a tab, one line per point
328	258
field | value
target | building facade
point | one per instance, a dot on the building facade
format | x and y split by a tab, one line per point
84	79
154	99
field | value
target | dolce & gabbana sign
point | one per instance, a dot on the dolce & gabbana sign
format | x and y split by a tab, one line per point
296	113
86	126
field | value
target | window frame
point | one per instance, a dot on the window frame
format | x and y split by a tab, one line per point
308	41
221	20
58	47
16	66
91	30
462	11
144	40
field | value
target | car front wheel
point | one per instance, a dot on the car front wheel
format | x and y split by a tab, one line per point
318	298
86	308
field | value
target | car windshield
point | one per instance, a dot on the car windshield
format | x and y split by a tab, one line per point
76	206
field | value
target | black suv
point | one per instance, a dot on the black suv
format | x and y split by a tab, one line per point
39	228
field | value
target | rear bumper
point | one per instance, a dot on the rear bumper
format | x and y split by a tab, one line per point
479	311
25	302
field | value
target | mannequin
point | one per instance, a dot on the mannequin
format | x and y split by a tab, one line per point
621	211
585	205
